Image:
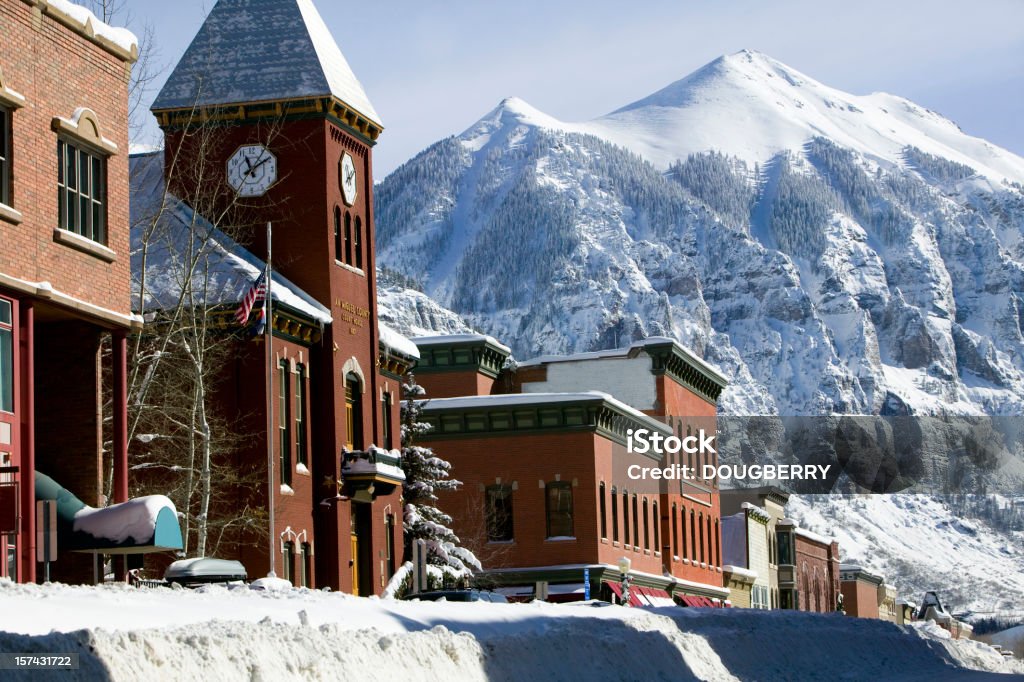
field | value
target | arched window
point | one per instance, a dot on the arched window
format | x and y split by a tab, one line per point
602	510
718	544
357	243
338	246
353	412
348	238
615	515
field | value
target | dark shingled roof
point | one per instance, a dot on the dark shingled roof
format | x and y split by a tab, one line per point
262	50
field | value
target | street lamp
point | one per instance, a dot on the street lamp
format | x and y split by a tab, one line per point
624	565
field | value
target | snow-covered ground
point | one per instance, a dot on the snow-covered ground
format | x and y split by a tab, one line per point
216	633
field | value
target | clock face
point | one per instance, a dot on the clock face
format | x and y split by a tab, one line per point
252	169
347	178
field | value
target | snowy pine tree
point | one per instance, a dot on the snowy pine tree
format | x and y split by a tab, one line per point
425	475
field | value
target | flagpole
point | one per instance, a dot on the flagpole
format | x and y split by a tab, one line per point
268	330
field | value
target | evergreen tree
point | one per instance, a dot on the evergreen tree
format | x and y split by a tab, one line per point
425	475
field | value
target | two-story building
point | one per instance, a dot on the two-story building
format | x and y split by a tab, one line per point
542	450
64	270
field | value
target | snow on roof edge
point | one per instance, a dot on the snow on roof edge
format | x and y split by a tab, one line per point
440	339
624	352
122	38
510	399
396	341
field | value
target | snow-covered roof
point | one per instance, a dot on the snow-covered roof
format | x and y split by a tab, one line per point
131	521
83	20
446	339
739	571
259	51
521	399
813	537
396	342
642	344
228	268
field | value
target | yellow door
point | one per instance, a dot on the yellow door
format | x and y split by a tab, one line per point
355	563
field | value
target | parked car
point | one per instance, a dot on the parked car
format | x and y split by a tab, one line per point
203	571
460	595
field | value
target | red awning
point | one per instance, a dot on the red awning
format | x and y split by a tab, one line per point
655	597
634	594
697	602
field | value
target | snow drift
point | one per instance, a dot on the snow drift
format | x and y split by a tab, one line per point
242	634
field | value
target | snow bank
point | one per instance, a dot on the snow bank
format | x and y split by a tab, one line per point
123	633
132	520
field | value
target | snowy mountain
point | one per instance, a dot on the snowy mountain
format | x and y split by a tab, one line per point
829	253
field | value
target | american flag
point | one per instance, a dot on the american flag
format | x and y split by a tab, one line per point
255	293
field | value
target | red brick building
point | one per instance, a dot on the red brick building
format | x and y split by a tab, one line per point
293	145
64	266
860	590
809	576
541	448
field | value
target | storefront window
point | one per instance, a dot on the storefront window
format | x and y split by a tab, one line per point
6	357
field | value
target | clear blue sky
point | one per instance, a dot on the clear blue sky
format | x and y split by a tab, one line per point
432	69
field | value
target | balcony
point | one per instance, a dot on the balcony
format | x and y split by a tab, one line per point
372	472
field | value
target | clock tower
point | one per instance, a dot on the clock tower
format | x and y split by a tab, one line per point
265	121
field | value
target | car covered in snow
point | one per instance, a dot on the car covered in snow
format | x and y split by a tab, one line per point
460	595
203	571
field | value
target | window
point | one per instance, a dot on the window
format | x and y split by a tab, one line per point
6	356
647	525
499	513
682	535
307	564
284	423
338	246
289	562
389	543
711	557
385	420
357	243
615	516
657	522
353	413
693	536
300	414
675	532
348	238
559	510
718	544
626	518
602	504
785	551
5	156
700	527
81	192
636	522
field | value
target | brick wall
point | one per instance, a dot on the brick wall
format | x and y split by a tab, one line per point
59	71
